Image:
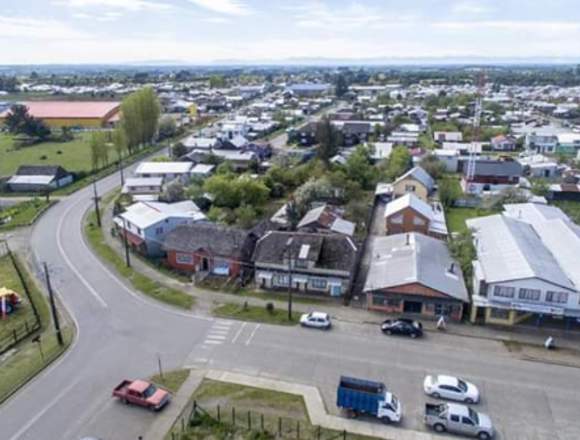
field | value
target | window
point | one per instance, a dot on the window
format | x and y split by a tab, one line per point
467	421
529	294
410	188
158	231
557	297
418	221
454	418
318	283
397	219
379	300
281	280
300	263
183	258
504	291
443	309
499	314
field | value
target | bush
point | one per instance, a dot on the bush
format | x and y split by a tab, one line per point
270	307
43	157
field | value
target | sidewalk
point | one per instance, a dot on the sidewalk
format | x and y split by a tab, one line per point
354	314
312	399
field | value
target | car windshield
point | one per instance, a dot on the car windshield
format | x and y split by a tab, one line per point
149	391
473	416
461	385
394	402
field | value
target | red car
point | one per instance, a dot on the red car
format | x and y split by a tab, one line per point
142	393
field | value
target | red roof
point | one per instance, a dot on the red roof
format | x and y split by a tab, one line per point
70	109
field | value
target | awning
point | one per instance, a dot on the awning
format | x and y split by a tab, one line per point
265	275
134	239
299	279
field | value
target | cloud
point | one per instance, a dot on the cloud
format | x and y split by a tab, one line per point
107	16
45	29
470	7
128	5
228	7
510	25
217	20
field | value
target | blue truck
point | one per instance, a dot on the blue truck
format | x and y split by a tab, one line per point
359	396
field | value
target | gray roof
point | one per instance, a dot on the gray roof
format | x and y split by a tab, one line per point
420	175
509	249
491	167
403	259
324	217
216	239
331	252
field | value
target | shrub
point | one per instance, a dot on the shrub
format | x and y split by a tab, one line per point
270	307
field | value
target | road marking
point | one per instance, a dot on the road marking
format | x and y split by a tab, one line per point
212	342
221	337
249	340
242	327
67	259
35	419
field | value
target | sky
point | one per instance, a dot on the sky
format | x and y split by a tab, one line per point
205	31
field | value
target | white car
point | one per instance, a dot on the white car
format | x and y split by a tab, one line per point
452	388
316	320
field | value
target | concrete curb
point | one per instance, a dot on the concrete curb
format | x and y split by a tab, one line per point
312	399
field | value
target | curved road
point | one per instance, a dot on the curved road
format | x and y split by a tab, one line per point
121	334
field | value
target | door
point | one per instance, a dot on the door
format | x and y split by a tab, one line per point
412	307
204	264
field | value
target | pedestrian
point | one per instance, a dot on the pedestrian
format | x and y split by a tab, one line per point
441	323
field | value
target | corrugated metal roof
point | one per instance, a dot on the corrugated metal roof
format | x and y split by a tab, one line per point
510	249
414	258
69	109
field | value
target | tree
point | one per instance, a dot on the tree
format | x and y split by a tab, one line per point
119	142
293	213
449	191
311	191
99	149
434	167
398	163
360	169
462	249
178	150
174	192
506	196
327	138
341	86
540	187
167	127
19	121
246	216
217	81
140	117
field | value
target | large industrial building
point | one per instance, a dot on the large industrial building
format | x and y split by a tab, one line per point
80	114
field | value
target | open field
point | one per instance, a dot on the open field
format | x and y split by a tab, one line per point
571	208
23	213
456	217
74	155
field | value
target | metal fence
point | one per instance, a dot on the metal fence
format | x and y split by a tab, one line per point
196	422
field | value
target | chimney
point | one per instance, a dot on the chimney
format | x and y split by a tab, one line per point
407	239
452	268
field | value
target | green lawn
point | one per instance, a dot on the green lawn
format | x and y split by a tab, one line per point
248	413
23	214
171	380
74	155
571	208
23	315
255	314
140	282
456	217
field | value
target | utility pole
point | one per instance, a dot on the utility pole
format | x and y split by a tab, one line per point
53	307
126	242
96	199
121	170
289	253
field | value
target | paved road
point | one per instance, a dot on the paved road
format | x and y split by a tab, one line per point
121	334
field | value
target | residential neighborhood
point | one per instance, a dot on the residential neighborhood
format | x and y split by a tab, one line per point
310	220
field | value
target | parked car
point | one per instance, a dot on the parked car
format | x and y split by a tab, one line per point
360	396
142	393
450	387
401	326
316	320
458	419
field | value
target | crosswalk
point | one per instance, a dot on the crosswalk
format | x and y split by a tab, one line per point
221	332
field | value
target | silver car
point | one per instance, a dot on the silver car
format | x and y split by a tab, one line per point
316	320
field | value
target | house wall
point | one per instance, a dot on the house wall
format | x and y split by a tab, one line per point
193	262
401	188
451	162
410	222
301	281
432	303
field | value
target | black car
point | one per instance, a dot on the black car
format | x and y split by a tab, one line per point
401	326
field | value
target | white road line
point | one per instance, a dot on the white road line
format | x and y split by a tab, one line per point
212	342
52	403
249	340
67	259
242	327
220	337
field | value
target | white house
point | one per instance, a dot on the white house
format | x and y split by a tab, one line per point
448	136
168	171
145	224
449	158
526	265
139	186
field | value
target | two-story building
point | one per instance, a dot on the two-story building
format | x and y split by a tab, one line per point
411	214
315	263
145	224
526	266
168	171
416	181
491	175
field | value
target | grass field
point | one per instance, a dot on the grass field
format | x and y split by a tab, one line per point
171	380
74	156
456	217
22	214
255	314
571	208
140	282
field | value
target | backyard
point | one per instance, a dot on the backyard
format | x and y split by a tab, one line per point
74	155
456	217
